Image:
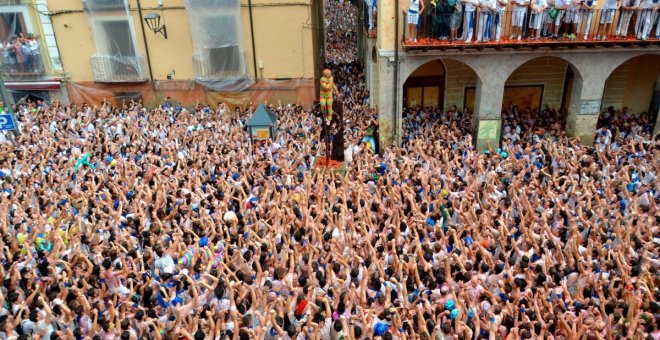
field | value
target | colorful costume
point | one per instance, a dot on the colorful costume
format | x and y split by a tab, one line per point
328	89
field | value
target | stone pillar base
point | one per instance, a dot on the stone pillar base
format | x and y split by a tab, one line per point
583	126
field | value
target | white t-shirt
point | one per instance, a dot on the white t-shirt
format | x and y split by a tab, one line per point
520	5
470	5
610	4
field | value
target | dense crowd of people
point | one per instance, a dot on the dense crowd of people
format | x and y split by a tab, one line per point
127	222
483	21
21	54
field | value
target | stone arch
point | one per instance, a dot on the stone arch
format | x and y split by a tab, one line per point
425	86
414	63
632	84
459	77
538	82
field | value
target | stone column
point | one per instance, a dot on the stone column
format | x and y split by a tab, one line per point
488	112
389	116
585	106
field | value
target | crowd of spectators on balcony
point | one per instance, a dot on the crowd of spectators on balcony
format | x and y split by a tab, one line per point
126	222
21	55
482	21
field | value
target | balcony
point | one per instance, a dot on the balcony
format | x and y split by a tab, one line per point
21	61
119	69
368	20
104	5
219	63
541	30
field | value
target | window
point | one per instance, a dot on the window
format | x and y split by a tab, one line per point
104	5
117	58
219	57
114	38
20	52
225	59
12	24
223	49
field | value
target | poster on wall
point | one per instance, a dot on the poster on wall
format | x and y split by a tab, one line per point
488	129
523	96
260	133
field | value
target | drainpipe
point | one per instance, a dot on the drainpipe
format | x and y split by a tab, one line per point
254	51
144	38
396	73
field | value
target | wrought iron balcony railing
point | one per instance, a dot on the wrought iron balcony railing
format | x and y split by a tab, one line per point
21	60
219	64
119	69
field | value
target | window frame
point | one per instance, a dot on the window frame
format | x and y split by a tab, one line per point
102	49
24	11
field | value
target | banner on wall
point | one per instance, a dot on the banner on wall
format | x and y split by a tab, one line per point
188	93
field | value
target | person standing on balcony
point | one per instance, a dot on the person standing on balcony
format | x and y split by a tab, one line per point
518	18
537	17
562	6
553	19
20	56
573	18
647	18
628	9
433	27
371	7
8	57
443	17
468	19
416	7
498	16
486	9
606	18
588	8
33	46
455	20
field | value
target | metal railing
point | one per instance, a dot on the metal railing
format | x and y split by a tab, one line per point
119	69
444	26
21	60
229	65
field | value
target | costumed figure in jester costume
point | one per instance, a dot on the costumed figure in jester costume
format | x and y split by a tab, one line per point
328	89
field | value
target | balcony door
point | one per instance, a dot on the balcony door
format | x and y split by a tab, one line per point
115	44
117	37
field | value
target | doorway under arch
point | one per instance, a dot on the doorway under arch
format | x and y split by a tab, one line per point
425	87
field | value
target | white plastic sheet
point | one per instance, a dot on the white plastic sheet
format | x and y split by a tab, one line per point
117	58
219	58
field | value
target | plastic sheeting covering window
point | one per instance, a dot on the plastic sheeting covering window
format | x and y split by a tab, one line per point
219	58
116	59
20	52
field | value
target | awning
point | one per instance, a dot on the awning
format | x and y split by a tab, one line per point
33	85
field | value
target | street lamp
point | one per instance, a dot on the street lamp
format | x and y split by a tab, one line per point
153	22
